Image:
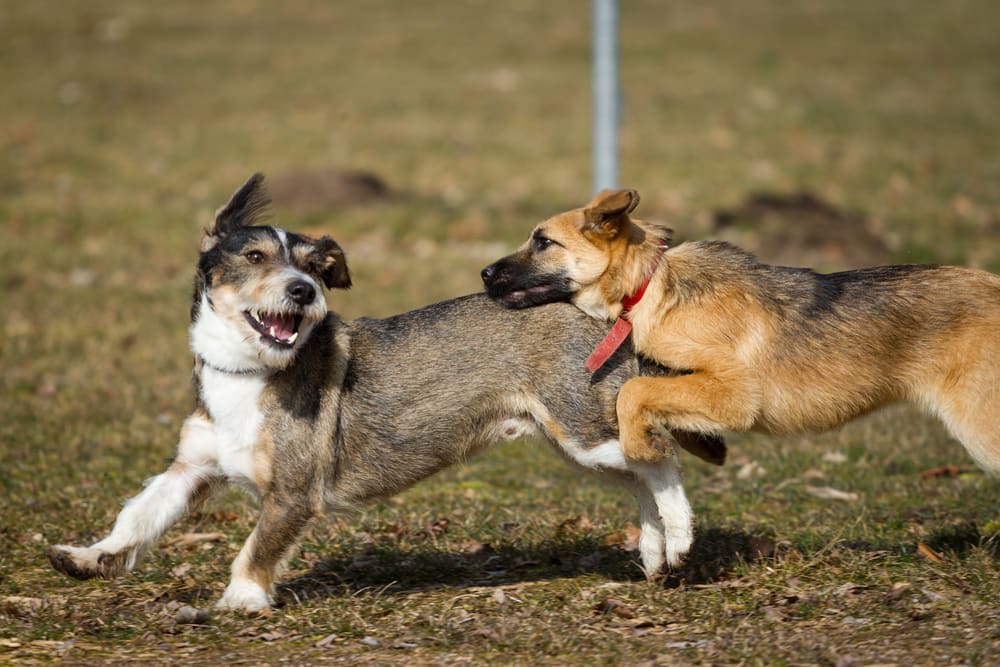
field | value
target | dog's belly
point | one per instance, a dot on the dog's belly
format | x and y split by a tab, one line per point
510	429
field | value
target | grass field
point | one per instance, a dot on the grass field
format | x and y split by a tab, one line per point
124	125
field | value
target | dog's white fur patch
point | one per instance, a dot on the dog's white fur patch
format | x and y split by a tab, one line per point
607	455
244	595
222	344
233	401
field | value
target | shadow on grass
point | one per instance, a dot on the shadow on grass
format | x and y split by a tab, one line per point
961	539
394	571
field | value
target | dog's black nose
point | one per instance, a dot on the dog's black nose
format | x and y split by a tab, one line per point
487	273
301	292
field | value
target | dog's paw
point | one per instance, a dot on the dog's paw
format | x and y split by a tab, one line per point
644	443
651	552
678	545
86	562
245	596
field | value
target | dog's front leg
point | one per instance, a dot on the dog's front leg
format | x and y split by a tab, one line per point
283	516
697	403
144	519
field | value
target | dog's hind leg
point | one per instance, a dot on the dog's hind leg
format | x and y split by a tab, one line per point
970	408
665	484
144	519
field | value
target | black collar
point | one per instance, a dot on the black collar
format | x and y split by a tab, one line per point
244	372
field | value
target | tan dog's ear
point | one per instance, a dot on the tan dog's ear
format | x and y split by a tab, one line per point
607	214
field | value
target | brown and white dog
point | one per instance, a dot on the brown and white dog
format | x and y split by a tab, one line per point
766	348
312	413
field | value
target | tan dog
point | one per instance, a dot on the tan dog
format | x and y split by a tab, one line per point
765	348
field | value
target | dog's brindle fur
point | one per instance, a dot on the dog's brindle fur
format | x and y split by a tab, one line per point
767	348
346	412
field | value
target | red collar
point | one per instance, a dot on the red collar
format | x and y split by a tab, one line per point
622	327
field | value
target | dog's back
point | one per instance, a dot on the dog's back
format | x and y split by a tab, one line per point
821	349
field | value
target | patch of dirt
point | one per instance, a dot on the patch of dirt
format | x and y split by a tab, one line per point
801	229
323	190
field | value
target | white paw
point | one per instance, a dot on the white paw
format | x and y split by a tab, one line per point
245	596
651	551
678	544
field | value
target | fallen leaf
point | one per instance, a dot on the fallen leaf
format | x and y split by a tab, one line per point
614	539
627	539
898	590
438	527
475	548
774	614
849	588
181	569
189	540
616	607
632	535
933	596
18	605
929	553
579	522
830	493
945	471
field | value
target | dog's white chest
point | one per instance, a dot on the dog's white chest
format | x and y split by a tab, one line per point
233	402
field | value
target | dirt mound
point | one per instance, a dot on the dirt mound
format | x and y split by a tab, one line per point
801	229
324	190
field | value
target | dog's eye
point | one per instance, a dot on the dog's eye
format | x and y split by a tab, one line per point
541	243
254	256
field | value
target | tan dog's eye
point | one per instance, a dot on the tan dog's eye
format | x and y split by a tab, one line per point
254	256
540	243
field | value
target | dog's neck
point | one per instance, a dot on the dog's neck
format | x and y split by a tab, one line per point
639	263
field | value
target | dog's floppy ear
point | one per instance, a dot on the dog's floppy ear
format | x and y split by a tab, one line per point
607	214
332	264
245	206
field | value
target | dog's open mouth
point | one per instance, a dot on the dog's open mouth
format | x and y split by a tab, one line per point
279	329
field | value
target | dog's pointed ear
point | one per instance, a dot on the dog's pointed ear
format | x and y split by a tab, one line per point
607	214
332	264
246	205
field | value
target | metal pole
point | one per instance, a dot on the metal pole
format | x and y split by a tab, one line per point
606	94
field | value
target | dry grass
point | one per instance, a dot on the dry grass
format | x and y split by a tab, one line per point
126	124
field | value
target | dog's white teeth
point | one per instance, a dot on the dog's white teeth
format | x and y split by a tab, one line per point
273	335
293	338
